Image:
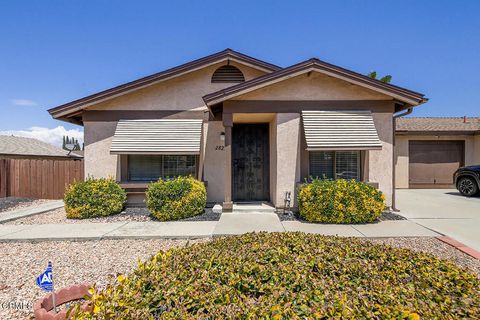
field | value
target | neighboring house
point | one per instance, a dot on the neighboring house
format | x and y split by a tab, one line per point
250	129
31	168
429	150
29	148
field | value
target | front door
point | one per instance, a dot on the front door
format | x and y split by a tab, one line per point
250	162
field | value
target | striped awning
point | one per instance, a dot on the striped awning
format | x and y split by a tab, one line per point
164	136
340	130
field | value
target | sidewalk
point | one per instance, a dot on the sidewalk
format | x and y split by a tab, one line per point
25	212
229	224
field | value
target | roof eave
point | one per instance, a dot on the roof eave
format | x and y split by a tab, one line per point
401	94
64	111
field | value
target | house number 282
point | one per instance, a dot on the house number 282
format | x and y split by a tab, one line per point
219	147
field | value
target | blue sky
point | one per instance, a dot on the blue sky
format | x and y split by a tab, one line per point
53	52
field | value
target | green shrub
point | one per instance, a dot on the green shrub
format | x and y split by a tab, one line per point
340	201
175	199
94	198
289	276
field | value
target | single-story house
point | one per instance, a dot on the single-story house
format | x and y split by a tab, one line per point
429	150
251	130
13	147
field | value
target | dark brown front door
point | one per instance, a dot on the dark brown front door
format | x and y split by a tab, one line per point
250	162
432	163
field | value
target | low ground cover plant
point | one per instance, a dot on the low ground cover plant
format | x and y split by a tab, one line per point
175	199
340	201
289	276
94	198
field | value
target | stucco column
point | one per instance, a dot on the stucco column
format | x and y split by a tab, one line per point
288	157
228	124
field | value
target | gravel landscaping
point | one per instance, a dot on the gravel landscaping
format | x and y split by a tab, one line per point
101	261
435	247
130	214
13	203
73	263
294	216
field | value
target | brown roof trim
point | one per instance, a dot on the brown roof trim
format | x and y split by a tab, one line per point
402	94
63	111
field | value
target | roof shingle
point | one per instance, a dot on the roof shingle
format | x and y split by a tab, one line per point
21	146
439	124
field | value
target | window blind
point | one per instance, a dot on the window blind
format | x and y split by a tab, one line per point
347	165
152	168
321	164
335	164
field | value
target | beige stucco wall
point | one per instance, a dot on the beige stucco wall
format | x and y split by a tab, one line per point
380	162
181	93
98	160
287	156
476	149
214	168
317	86
273	158
472	153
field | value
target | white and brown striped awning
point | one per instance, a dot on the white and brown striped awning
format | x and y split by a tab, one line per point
164	136
340	130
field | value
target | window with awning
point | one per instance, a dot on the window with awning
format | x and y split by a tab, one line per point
340	130
334	165
163	136
153	167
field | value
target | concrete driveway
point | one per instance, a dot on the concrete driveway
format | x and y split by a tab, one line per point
444	211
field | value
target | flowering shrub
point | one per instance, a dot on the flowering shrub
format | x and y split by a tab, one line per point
340	201
94	198
289	276
175	199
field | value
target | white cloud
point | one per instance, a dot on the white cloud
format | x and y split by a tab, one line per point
53	136
23	102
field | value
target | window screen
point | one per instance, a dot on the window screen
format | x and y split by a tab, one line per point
335	164
174	166
151	168
321	164
347	165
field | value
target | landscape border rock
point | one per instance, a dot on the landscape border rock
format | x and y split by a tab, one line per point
43	308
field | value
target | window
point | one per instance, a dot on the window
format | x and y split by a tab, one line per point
335	164
228	74
151	168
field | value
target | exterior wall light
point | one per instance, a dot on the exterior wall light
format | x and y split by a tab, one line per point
222	136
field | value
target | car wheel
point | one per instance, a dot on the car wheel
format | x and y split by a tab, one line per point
467	186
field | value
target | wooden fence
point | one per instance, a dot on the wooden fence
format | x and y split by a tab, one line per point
38	179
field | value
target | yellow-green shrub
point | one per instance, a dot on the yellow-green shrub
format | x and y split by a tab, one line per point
94	198
177	198
289	276
340	201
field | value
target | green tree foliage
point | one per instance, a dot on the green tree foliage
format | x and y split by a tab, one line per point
76	144
386	79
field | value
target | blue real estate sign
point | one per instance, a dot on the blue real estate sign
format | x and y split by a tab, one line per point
45	280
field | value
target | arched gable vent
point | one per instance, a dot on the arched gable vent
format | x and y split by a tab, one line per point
228	73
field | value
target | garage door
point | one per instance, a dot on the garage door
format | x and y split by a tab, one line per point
432	163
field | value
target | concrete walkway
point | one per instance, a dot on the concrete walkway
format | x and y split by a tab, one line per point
229	224
114	230
443	210
25	212
241	221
